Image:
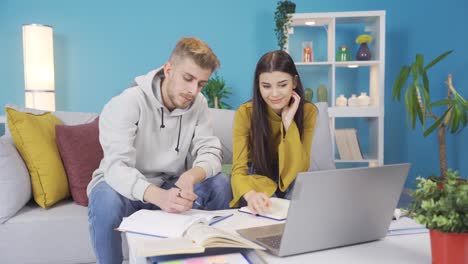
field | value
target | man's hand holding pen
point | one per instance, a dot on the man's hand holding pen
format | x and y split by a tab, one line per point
180	197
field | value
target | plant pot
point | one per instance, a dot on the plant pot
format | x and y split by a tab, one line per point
449	247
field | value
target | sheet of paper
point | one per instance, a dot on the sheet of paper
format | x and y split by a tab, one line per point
405	226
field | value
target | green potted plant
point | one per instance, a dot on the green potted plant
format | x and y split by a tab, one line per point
441	204
283	12
215	91
444	211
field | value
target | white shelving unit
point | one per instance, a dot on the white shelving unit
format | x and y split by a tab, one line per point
331	26
2	119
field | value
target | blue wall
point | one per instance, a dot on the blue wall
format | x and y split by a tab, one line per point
100	46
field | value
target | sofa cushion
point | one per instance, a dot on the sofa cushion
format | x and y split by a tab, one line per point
321	154
223	121
67	118
34	137
15	184
81	154
59	234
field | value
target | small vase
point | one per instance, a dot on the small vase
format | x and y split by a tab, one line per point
341	101
363	100
363	52
307	52
353	101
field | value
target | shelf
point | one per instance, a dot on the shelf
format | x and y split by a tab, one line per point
347	111
366	159
315	63
350	64
357	161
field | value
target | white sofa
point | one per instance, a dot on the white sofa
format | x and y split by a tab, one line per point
60	234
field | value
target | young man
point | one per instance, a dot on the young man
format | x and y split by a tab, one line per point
149	133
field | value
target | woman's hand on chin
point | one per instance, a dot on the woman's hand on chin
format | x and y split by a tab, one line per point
289	111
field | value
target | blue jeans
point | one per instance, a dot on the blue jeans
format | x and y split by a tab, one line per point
107	208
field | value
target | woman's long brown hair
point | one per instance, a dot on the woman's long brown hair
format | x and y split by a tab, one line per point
261	131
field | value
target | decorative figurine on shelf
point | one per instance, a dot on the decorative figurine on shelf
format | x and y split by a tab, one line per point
307	52
353	101
341	101
343	54
363	52
322	93
308	94
363	99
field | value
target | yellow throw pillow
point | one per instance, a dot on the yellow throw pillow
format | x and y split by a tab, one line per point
34	137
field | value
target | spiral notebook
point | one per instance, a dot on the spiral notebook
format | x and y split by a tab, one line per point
278	211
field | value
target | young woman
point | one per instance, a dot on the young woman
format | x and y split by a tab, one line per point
272	134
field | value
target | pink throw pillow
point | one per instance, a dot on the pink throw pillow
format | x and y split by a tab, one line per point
81	154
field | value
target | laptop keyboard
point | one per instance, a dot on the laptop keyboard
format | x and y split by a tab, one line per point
272	241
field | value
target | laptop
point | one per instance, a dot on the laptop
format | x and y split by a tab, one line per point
334	208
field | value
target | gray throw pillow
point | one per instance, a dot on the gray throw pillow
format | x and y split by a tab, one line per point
15	183
223	121
321	155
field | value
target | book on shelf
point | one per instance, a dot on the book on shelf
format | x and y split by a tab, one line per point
161	233
278	210
347	144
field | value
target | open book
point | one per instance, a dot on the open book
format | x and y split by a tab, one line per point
188	232
197	237
278	211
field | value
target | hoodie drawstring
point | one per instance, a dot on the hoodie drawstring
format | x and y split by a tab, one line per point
180	128
162	118
178	137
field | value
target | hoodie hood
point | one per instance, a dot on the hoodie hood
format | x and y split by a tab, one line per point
150	84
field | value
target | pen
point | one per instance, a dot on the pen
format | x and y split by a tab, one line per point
195	201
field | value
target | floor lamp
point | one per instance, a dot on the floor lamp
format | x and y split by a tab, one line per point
38	55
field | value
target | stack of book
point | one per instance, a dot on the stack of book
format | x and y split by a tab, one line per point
348	144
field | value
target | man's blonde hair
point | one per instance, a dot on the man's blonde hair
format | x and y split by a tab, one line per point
198	51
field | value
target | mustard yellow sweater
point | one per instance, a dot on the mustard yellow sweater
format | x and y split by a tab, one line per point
292	154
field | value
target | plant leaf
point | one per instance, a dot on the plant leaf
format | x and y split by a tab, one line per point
409	106
427	96
414	71
444	102
420	62
436	60
416	109
436	123
401	80
455	120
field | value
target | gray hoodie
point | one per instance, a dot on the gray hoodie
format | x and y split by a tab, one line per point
142	140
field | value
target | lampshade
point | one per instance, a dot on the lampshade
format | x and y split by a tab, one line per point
38	55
